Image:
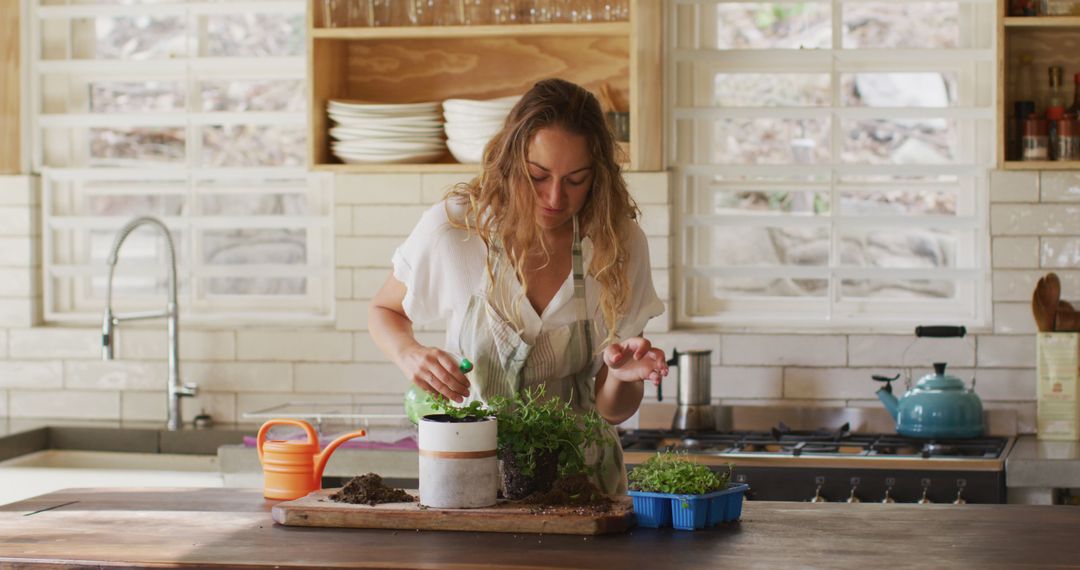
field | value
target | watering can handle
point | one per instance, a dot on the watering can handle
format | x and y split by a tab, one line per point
261	438
322	458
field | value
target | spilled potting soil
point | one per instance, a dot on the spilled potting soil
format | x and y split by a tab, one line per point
571	494
369	489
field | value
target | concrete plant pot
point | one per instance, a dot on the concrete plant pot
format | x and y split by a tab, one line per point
458	465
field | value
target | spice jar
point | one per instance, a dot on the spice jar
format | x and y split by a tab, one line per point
1036	141
1068	140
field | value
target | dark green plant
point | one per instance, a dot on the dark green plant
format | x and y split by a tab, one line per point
474	411
676	473
530	425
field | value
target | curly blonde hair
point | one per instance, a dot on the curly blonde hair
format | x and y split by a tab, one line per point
496	206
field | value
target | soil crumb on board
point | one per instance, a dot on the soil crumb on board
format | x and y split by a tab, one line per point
369	489
572	494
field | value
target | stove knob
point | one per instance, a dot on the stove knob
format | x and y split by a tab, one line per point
852	498
960	498
888	496
817	496
925	500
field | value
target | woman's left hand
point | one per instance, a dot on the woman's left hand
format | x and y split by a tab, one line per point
635	360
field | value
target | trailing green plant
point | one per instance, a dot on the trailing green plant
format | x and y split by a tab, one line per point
531	425
474	411
676	473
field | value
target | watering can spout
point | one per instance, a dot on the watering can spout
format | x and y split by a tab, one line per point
322	458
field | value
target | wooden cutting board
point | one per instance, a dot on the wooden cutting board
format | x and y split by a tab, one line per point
317	509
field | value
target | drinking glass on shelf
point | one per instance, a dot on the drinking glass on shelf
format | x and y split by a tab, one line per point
421	12
383	13
357	13
475	12
331	13
504	12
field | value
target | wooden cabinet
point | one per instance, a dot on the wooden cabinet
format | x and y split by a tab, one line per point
414	64
1050	40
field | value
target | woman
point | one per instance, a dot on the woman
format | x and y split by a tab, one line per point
503	259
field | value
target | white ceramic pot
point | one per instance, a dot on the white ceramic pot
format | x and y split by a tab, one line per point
458	467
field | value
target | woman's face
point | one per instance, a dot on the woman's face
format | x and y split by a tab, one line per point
562	173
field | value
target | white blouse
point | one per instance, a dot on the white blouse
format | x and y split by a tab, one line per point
442	267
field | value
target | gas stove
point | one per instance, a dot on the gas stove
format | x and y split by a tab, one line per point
841	466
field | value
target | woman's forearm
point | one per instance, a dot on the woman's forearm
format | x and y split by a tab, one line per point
392	332
617	401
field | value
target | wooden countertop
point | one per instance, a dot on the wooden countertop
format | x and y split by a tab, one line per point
232	527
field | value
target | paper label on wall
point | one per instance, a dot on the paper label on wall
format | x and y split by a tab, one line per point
1058	377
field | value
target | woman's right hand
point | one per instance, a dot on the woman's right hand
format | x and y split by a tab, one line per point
435	371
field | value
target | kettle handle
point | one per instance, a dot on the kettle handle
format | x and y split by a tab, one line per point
322	458
261	438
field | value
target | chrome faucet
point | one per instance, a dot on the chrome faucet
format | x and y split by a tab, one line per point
176	389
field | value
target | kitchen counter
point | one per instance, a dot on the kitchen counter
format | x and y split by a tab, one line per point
1046	464
231	527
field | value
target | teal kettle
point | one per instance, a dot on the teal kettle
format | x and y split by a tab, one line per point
938	407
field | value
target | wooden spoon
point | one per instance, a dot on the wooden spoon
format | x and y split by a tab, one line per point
1052	297
1044	321
1067	321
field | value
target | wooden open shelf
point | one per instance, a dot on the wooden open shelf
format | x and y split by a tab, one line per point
1049	40
417	64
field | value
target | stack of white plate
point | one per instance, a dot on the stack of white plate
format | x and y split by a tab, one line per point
385	133
470	124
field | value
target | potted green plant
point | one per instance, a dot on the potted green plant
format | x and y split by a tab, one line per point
671	489
458	465
542	439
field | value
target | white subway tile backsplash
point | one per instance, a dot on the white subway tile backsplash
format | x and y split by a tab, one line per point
367	282
55	343
18	281
1025	413
1059	186
150	406
999	351
17	221
118	375
366	251
435	185
396	221
909	350
254	402
294	346
1013	318
1020	253
67	404
1034	219
669	342
1014	285
4	404
1062	252
18	190
240	376
377	188
1008	186
35	375
829	383
352	315
739	382
1003	384
141	343
17	252
354	378
17	312
3	343
343	278
780	350
655	221
343	221
649	187
366	351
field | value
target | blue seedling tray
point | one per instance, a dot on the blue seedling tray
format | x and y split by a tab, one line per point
689	512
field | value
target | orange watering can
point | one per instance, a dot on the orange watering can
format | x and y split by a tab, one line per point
292	468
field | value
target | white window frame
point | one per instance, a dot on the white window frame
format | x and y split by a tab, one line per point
315	306
973	304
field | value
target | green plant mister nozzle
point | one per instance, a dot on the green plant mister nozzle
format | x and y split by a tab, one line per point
465	365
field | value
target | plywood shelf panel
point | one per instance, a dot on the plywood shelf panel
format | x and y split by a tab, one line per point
443	32
1043	22
1041	165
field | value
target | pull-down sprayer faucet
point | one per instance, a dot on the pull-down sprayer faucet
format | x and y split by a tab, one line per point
176	389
